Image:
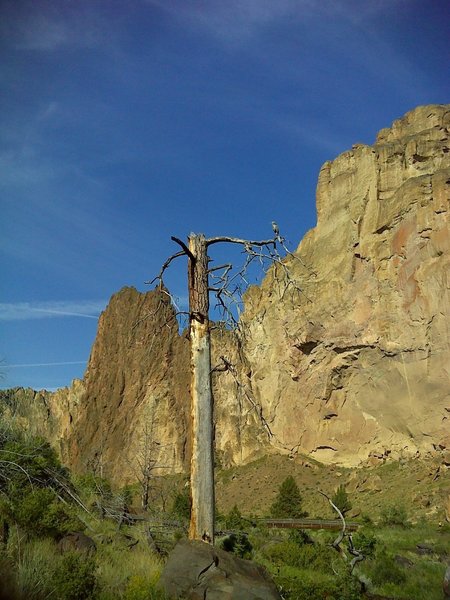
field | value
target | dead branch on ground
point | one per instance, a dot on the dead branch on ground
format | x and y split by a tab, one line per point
336	544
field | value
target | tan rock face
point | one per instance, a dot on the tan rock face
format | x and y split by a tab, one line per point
136	390
359	361
347	361
50	415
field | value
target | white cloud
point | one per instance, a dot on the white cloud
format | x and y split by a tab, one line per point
50	109
20	311
50	26
237	21
233	21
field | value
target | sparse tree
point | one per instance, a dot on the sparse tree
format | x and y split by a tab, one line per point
182	505
341	499
227	286
147	462
288	503
234	520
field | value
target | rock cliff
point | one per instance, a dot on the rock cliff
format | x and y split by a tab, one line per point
358	363
136	389
346	361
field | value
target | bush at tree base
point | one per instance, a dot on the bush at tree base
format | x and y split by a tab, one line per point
238	544
305	587
365	542
74	578
182	505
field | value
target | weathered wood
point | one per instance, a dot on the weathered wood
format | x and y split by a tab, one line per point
202	461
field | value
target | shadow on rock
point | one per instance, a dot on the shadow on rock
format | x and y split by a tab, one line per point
196	570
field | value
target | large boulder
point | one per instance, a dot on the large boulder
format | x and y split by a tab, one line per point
77	541
446	584
198	571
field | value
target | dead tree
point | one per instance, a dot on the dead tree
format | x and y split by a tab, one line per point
226	286
146	460
147	464
357	555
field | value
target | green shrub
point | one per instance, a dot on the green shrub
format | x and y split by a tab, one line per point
30	486
288	503
90	484
395	515
234	520
27	462
74	578
365	542
341	499
307	556
303	585
386	570
139	588
182	505
59	519
39	512
239	544
300	537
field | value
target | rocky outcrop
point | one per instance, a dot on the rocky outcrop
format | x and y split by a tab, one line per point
136	388
346	359
195	570
47	414
357	363
135	410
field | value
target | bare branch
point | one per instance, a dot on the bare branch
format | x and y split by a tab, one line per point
227	266
358	556
233	240
295	256
164	267
228	366
341	535
183	245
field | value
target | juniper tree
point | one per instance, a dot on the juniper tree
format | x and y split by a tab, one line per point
341	499
288	503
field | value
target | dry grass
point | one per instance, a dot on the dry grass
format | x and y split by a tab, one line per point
412	483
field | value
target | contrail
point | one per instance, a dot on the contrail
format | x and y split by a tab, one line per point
51	364
20	311
64	313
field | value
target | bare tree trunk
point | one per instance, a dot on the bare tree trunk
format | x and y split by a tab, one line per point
202	461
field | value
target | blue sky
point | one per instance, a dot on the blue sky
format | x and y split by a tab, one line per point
125	122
